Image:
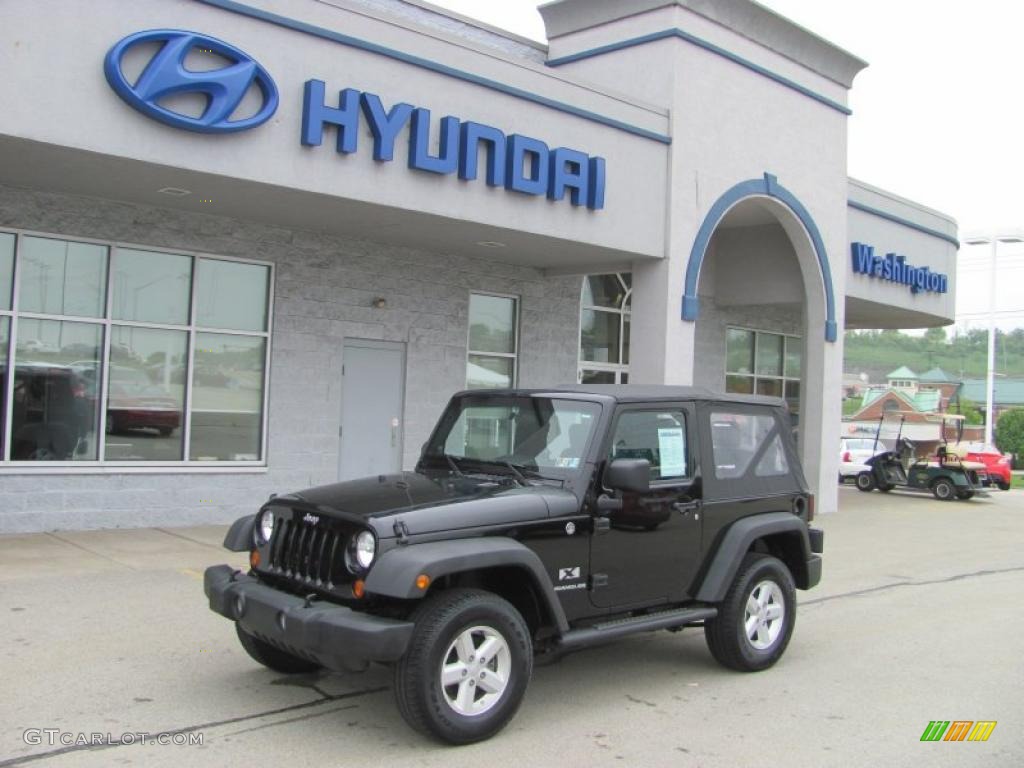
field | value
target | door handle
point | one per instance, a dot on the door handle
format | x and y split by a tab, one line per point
686	506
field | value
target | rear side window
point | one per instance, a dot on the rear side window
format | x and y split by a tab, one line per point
658	436
745	443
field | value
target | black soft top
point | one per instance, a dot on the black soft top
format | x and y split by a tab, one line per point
638	393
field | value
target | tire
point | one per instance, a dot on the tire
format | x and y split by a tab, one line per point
164	431
1002	485
965	495
886	488
271	657
450	628
865	482
762	581
944	490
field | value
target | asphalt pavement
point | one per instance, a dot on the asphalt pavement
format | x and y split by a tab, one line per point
918	618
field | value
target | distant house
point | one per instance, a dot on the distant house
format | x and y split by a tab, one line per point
938	380
908	392
1006	394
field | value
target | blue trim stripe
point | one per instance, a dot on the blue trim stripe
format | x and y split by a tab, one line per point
766	187
707	46
903	222
433	66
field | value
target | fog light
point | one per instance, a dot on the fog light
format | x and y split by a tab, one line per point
281	620
239	606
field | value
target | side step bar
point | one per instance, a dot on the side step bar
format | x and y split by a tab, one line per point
611	630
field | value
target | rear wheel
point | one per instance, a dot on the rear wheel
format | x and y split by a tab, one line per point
467	668
943	489
865	482
756	619
271	657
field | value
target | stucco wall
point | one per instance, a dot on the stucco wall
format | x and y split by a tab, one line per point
324	289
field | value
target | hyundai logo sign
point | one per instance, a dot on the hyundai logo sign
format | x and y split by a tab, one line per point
165	75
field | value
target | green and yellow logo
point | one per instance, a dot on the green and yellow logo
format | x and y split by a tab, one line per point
958	730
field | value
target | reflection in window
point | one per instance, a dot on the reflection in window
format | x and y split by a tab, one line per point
738	438
6	269
493	341
227	397
145	394
605	306
151	287
54	414
232	295
657	436
67	364
60	277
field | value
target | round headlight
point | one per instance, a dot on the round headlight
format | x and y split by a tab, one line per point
361	551
266	527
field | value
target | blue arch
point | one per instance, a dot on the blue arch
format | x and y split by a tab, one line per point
766	187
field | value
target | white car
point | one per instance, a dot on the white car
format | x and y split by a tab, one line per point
853	453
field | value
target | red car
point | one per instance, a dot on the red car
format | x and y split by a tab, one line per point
997	465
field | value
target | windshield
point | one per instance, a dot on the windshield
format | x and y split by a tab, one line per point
546	436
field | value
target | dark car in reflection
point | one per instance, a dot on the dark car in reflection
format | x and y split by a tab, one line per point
136	402
52	413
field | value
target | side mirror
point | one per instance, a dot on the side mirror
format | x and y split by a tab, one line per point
633	475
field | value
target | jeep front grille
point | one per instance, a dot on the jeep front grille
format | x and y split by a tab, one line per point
308	554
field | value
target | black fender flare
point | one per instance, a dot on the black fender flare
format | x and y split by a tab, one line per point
736	543
239	535
394	575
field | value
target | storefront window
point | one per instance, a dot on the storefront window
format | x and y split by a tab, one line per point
6	269
54	413
605	305
227	397
493	341
141	375
763	363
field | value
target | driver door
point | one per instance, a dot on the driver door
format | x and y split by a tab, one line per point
649	550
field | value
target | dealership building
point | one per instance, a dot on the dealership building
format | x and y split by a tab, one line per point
249	247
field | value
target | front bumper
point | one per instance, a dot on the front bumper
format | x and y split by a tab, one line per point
334	636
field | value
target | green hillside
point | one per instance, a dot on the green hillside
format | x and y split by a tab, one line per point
878	352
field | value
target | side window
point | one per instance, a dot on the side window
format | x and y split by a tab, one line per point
740	439
658	436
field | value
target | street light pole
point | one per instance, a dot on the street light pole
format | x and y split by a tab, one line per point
990	378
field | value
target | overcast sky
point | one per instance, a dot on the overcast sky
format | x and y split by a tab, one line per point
938	116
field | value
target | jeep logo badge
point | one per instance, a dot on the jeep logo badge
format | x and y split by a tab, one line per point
166	75
311	519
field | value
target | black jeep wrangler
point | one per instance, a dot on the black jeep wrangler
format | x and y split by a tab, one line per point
536	522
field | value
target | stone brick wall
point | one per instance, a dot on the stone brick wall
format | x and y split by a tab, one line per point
323	293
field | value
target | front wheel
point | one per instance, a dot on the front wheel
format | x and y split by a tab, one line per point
756	619
1002	485
467	668
865	482
271	657
943	489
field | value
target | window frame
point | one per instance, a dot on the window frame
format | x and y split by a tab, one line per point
101	465
619	370
689	434
754	376
516	320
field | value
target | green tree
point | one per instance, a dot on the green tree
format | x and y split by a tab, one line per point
969	409
1010	433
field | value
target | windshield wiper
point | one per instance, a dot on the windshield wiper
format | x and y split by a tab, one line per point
454	465
515	471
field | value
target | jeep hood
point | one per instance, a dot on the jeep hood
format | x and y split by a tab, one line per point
433	503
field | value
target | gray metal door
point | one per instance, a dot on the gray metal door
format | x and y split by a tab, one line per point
373	382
